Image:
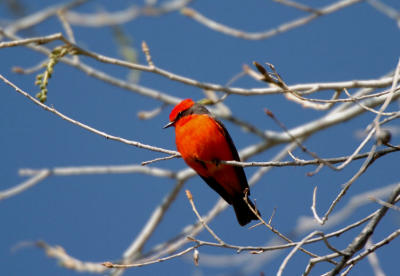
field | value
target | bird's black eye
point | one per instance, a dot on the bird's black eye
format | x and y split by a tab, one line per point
179	115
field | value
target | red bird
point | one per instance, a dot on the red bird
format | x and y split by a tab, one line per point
203	142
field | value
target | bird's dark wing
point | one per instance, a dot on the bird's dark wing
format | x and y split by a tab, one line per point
239	170
218	188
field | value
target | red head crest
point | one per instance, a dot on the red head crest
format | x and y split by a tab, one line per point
182	106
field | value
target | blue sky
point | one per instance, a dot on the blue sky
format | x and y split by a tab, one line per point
95	217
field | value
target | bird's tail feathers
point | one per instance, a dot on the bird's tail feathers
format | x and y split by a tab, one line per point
243	212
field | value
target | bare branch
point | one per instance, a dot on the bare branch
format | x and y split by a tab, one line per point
67	261
183	252
287	258
272	32
190	197
144	163
104	18
388	99
102	170
146	51
385	9
307	224
38	40
35	179
384	203
374	247
356	100
298	6
347	186
36	18
273	230
314	209
68	30
98	132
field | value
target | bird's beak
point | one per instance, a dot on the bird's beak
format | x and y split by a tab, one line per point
169	124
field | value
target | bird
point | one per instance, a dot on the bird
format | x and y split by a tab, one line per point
203	142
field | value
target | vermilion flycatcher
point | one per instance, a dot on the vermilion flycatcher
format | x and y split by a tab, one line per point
203	142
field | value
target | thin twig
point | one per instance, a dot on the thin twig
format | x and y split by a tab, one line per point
384	203
299	144
31	70
89	128
146	51
183	252
68	30
366	107
347	186
314	208
298	6
38	40
190	197
273	230
35	179
358	149
297	247
144	163
387	100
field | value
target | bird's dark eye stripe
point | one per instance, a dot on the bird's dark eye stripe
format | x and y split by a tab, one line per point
196	109
182	114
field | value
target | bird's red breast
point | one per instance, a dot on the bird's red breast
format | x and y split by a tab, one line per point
202	142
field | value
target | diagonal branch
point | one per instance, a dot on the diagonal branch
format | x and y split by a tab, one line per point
89	128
